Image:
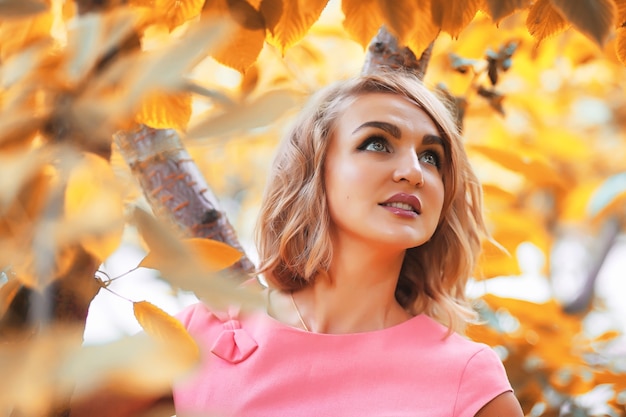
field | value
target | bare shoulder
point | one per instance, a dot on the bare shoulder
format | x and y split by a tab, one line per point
504	405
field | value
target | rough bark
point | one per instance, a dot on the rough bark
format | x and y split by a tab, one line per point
175	187
385	53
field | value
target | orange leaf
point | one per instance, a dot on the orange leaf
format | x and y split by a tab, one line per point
608	336
495	261
94	210
21	8
620	45
172	13
499	9
533	166
15	35
514	227
259	112
8	291
245	41
295	21
424	30
575	203
453	15
399	17
544	20
166	329
621	12
594	18
214	255
363	19
165	111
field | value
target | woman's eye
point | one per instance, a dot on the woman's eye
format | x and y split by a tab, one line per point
376	145
430	158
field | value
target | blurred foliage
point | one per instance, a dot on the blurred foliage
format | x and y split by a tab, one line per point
540	94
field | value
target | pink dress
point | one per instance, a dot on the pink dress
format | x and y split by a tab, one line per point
254	365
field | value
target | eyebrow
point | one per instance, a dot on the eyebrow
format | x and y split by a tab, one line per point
433	140
394	131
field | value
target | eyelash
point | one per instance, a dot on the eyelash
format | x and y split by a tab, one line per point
379	139
374	139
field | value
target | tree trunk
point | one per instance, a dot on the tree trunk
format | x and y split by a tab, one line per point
384	52
175	187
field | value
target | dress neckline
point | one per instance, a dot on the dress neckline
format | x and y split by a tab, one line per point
279	325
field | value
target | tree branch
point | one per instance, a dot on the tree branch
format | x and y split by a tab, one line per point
175	187
384	52
605	241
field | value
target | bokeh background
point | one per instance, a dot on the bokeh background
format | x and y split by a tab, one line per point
542	100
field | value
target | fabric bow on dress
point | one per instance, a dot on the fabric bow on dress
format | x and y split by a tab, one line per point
234	344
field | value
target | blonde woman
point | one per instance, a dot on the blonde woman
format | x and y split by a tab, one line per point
367	234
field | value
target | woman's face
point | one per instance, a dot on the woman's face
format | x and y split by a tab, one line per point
383	174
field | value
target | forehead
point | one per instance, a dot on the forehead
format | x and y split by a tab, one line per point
386	107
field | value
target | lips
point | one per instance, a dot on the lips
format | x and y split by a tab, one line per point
403	201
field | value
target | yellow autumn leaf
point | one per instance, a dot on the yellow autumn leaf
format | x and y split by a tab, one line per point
494	192
271	10
170	13
495	261
137	364
611	377
21	8
533	166
94	35
607	336
485	334
296	19
575	203
258	112
16	168
94	209
544	20
572	382
620	45
214	255
453	16
616	207
512	227
499	9
15	35
162	69
593	18
424	30
241	48
621	12
162	110
166	329
363	19
8	291
182	269
399	18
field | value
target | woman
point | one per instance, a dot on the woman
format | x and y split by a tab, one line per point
369	229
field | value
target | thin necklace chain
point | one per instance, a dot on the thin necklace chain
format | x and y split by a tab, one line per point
295	306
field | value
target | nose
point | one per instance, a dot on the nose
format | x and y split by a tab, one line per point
409	169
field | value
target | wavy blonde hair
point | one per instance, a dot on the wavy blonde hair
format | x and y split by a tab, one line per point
292	232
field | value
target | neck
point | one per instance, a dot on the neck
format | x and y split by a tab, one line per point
357	295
